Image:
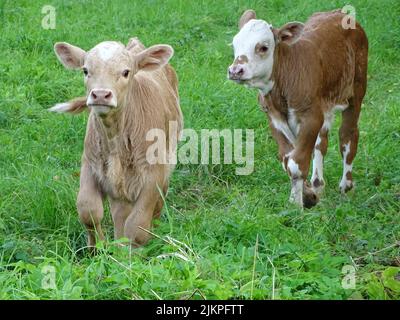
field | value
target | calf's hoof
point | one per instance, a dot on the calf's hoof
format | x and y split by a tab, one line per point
310	198
345	186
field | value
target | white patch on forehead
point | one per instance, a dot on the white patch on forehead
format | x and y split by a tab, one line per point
253	32
106	50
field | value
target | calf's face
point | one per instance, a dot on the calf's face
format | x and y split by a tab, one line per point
254	48
108	70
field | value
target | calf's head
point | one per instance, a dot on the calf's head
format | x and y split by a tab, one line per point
254	48
108	70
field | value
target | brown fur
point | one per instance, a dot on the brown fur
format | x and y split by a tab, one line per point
327	66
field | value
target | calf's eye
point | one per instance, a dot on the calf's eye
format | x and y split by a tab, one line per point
85	71
125	73
263	49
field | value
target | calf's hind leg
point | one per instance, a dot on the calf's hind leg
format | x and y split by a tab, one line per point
348	135
349	129
320	150
90	205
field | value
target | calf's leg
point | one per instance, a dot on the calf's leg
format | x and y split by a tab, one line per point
298	161
120	211
349	129
141	215
90	205
320	150
285	146
348	135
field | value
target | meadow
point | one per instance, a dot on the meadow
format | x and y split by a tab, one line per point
221	236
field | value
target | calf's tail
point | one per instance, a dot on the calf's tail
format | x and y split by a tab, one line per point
74	106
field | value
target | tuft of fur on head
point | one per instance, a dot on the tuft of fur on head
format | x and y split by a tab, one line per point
74	106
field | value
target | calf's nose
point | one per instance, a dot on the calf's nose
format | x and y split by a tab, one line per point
235	72
101	96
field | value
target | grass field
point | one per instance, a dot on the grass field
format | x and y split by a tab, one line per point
221	236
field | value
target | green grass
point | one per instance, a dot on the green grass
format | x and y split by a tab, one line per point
238	236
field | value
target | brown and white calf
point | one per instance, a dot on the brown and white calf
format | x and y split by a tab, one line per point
304	73
130	90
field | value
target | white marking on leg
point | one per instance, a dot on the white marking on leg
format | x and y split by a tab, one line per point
294	168
285	160
340	107
345	183
318	159
318	170
296	193
283	165
328	120
284	128
318	167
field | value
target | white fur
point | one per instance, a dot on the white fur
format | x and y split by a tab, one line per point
284	128
294	168
296	194
318	163
258	69
61	107
318	159
328	120
346	168
340	107
106	50
318	167
329	116
318	142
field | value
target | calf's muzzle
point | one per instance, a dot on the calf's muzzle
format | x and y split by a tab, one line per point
101	97
235	72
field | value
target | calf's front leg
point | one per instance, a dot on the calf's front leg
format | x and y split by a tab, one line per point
286	141
90	205
120	210
298	161
141	216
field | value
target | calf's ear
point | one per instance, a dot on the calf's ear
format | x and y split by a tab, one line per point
154	57
246	17
70	56
289	33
